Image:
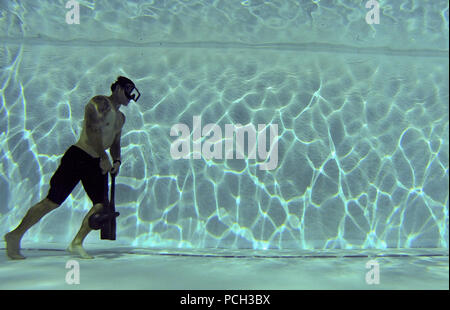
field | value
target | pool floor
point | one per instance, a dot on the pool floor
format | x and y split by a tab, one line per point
216	269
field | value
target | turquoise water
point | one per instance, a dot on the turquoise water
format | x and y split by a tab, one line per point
361	110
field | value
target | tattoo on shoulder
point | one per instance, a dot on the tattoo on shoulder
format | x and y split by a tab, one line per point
101	102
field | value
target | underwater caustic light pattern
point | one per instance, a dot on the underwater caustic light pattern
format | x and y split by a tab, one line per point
362	137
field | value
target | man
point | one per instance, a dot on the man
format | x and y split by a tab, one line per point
86	161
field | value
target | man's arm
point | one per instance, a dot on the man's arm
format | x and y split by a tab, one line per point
115	147
93	115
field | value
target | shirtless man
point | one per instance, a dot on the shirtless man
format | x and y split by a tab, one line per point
86	161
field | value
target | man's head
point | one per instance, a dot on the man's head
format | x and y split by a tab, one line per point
125	90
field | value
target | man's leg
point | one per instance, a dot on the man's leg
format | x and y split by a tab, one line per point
76	247
95	184
33	216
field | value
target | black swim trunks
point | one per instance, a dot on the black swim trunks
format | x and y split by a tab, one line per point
78	165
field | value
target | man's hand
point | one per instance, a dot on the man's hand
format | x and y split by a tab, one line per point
105	164
115	169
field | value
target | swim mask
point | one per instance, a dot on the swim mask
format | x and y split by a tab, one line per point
132	92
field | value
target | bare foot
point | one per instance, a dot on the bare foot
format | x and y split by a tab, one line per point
13	246
78	249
